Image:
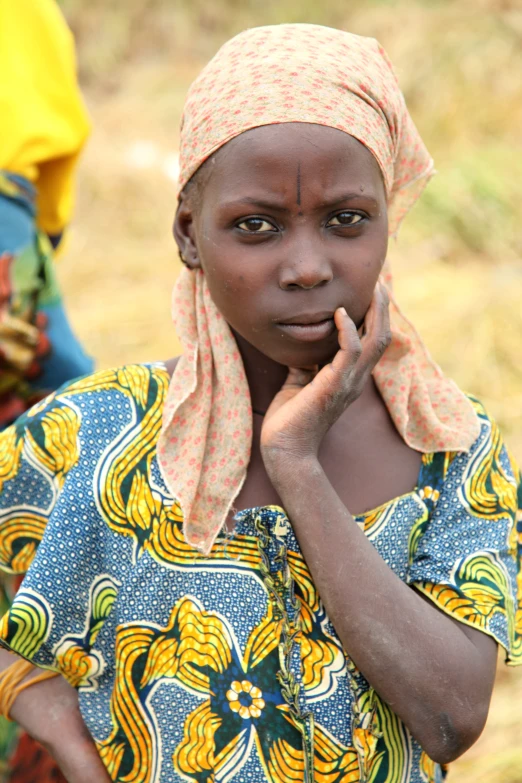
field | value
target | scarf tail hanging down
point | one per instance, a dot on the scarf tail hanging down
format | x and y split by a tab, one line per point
268	75
204	445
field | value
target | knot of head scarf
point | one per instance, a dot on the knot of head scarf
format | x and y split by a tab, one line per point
264	76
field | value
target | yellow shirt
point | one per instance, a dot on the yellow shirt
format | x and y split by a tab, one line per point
44	120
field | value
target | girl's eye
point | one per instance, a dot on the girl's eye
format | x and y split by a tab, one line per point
345	219
256	226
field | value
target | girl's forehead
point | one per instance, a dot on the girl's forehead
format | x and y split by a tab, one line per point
286	151
307	74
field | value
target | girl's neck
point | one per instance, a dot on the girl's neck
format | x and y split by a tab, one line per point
265	377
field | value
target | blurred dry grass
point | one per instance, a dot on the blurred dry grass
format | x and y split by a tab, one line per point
458	258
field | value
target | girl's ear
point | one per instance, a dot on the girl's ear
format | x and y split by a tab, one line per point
185	233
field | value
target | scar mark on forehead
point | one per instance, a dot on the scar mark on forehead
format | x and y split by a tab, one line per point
299	184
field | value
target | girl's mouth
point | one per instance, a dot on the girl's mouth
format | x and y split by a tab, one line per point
309	332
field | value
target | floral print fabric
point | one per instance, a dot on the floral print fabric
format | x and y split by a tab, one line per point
204	444
226	667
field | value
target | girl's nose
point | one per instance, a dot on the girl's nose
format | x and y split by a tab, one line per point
305	270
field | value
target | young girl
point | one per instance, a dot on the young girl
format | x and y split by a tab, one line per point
290	554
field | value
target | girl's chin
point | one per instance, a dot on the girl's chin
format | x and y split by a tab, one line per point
318	356
292	353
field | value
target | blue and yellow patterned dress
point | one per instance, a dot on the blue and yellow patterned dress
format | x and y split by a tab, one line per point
226	668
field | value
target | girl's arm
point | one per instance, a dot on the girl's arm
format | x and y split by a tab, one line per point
435	673
49	712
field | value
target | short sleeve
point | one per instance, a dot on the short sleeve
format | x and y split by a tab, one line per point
66	594
36	454
467	559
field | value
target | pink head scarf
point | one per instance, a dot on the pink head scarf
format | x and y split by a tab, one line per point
264	76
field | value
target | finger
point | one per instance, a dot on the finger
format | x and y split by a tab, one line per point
330	388
377	335
349	342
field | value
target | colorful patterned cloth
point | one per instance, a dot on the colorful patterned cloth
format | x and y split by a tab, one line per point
38	350
266	76
38	353
226	668
44	127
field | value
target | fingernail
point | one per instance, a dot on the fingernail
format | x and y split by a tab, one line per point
343	310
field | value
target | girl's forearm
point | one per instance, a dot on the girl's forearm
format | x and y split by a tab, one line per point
79	762
50	713
421	662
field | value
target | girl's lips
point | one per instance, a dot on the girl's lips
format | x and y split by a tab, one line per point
308	333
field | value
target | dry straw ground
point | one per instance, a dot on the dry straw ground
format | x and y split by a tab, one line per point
457	261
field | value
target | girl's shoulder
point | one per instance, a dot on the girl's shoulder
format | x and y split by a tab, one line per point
490	447
92	439
139	383
108	396
487	474
77	422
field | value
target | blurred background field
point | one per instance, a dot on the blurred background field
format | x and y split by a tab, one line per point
457	261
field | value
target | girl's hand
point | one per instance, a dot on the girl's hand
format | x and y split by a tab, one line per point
310	401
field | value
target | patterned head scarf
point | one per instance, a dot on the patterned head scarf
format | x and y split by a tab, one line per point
264	76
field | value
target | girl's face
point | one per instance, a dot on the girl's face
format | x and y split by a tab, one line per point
289	223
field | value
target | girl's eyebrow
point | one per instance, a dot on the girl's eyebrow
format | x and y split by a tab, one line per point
263	204
257	202
361	196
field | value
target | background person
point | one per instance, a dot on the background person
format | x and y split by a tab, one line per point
44	127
